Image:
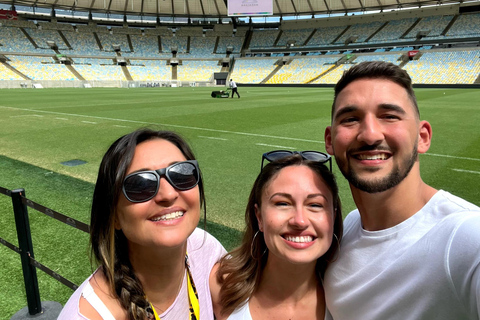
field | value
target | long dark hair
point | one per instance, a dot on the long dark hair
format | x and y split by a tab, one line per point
240	271
109	246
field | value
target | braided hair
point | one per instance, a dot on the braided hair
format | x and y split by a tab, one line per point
109	247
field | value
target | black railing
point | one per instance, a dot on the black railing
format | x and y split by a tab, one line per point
25	246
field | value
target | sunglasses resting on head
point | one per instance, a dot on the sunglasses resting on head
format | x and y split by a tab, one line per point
142	186
316	156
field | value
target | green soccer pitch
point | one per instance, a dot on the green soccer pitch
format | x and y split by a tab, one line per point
41	128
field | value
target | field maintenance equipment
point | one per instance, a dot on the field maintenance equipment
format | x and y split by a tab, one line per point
221	93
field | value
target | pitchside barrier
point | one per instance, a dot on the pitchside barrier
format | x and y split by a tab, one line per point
39	84
49	309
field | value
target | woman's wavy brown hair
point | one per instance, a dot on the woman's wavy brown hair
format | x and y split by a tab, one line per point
240	271
109	246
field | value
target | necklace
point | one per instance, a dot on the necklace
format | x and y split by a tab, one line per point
194	307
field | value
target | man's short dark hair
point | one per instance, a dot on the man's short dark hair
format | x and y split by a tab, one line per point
376	70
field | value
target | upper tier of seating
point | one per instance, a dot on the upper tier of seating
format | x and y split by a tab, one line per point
27	37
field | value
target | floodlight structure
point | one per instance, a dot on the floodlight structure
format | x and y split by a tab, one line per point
63	59
290	44
121	61
52	45
351	39
422	33
283	61
224	62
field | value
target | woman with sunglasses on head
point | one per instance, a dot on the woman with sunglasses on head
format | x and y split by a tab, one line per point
153	261
293	229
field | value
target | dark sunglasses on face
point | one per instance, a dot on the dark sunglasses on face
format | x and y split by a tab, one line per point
142	186
316	156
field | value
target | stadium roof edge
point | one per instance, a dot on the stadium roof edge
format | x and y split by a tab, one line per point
217	9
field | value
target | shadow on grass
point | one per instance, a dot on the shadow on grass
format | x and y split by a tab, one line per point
229	237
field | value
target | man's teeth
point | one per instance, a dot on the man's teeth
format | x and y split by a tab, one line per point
169	216
381	156
299	239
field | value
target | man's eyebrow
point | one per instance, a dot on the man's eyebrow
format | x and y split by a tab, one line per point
383	106
345	110
392	107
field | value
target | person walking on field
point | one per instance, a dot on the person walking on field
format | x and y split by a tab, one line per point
409	251
233	85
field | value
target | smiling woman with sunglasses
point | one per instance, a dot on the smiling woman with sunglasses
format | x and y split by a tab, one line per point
153	261
293	230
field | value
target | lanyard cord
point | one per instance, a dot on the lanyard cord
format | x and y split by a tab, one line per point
194	308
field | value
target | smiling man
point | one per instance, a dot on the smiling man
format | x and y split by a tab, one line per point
409	251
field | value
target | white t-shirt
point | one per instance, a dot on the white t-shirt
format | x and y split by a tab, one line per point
203	252
427	267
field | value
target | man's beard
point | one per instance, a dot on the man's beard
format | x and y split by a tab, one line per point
397	175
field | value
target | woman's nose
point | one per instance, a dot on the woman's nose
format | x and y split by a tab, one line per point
299	218
166	192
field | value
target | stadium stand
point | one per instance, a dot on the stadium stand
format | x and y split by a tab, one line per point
263	38
359	32
144	46
393	31
448	67
434	25
299	37
252	70
467	25
202	70
149	70
311	52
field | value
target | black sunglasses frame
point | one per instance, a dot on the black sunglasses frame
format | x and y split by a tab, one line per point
159	173
303	154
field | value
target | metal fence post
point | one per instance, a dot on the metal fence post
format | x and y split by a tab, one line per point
26	247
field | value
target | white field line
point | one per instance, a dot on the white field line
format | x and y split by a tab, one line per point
273	146
168	125
467	171
208	129
454	157
213	138
27	115
61	118
89	122
119	126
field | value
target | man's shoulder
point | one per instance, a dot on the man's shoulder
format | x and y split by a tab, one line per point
352	218
444	200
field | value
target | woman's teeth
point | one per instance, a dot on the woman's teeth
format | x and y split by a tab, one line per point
169	216
299	239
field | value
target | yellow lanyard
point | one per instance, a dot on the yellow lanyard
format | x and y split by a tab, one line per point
194	308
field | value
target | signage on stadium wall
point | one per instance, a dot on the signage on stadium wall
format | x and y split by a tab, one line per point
412	53
250	7
8	14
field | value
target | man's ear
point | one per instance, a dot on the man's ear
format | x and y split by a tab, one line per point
258	214
328	140
424	136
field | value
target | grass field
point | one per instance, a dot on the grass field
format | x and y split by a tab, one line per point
40	129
